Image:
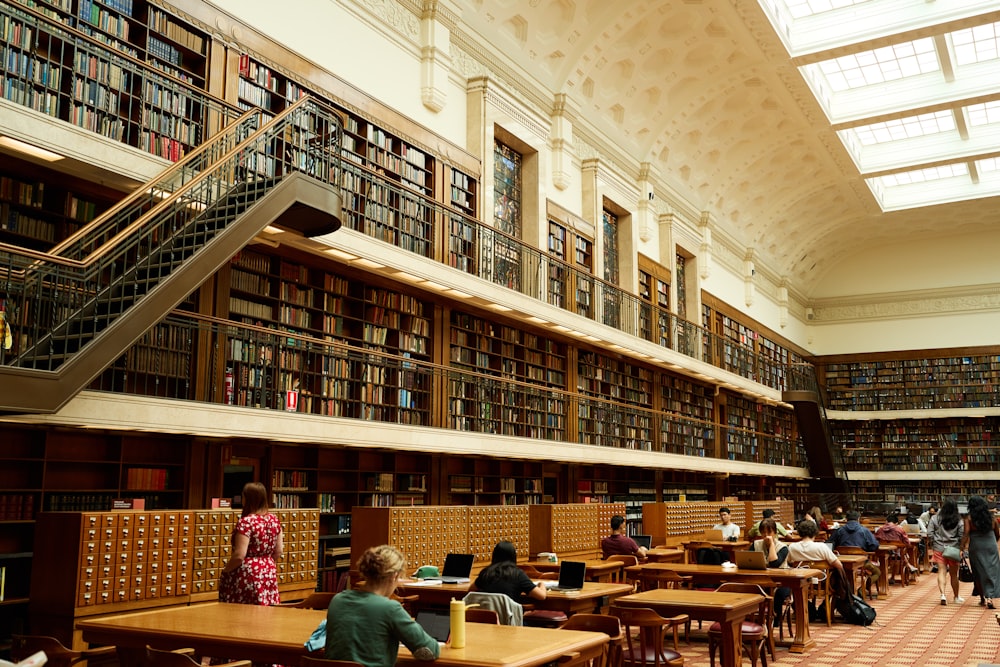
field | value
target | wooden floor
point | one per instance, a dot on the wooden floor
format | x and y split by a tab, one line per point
912	630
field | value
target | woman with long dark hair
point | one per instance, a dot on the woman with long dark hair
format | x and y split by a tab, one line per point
503	575
982	532
946	530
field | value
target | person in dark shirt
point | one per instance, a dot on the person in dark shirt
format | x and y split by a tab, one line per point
853	534
503	575
620	544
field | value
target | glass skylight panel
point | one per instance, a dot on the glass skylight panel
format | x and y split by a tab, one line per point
976	45
925	175
888	63
990	164
802	8
906	128
983	114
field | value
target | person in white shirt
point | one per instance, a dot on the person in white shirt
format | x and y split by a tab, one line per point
807	549
730	531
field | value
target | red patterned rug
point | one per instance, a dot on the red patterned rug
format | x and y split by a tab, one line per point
912	630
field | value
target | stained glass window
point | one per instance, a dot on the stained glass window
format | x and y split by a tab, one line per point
507	213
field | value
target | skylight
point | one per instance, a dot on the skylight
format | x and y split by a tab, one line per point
907	110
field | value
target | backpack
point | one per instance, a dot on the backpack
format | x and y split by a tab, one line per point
855	610
706	556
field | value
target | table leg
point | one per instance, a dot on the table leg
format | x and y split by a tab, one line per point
730	644
883	580
801	642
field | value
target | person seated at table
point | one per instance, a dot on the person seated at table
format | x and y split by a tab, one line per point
730	531
853	534
808	549
838	514
365	625
777	556
620	544
891	533
768	513
817	514
503	575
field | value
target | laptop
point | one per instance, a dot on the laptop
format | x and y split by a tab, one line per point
912	528
645	541
435	622
572	574
457	568
713	535
751	560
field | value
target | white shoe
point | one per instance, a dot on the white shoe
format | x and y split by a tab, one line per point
959	600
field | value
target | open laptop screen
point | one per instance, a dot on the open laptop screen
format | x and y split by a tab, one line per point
645	541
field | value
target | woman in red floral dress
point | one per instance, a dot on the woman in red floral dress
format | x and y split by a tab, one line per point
250	576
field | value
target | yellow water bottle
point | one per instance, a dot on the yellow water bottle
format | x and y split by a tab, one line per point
457	620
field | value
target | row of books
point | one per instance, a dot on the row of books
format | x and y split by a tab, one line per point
17	506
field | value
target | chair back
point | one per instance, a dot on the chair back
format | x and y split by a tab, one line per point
644	630
609	625
25	646
530	570
309	661
159	658
319	600
627	560
652	579
477	615
509	611
851	551
820	591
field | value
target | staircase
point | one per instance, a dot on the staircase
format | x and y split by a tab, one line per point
77	308
826	461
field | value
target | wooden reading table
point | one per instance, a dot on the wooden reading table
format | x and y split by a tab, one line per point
665	555
570	602
277	635
795	578
724	545
597	569
729	609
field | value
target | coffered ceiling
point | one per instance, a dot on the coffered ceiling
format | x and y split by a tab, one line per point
811	130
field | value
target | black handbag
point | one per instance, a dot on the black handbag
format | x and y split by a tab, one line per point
965	572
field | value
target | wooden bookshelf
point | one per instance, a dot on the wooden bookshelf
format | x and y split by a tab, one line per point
276	294
688	424
487	481
910	382
127	69
759	432
489	350
623	416
39	207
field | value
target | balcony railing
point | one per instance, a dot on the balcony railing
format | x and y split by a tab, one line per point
259	367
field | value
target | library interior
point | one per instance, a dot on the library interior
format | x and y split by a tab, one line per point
485	267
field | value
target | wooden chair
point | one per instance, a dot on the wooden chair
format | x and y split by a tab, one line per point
609	625
477	615
408	601
320	600
771	615
754	632
158	658
24	646
863	577
644	630
621	576
309	661
530	570
819	591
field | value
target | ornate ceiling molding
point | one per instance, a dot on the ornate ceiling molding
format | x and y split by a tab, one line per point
895	305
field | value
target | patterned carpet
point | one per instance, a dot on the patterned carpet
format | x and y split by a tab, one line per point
912	630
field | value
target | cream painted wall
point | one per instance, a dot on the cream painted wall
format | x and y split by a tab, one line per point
340	42
904	266
916	333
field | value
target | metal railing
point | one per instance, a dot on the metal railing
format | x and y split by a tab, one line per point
58	302
259	367
59	65
412	221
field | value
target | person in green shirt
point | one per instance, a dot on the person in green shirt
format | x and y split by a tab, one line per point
365	625
754	531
